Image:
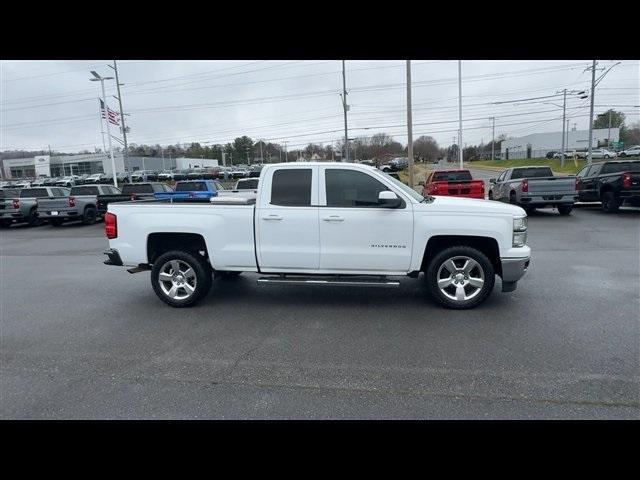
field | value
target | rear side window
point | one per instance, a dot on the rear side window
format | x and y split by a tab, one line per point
621	167
34	193
248	185
291	187
350	188
84	191
451	176
132	188
191	187
9	193
531	173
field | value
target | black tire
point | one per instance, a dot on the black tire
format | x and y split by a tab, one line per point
33	219
56	222
5	223
195	261
438	261
610	203
565	209
512	198
490	195
622	154
89	216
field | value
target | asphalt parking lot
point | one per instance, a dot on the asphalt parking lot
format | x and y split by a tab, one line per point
83	340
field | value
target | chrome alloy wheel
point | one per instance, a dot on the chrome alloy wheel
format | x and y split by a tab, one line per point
177	280
460	278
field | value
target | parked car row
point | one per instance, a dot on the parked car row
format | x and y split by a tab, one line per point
597	153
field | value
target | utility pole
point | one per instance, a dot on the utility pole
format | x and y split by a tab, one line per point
493	137
345	108
100	79
261	159
124	127
609	133
564	116
409	125
162	150
460	154
593	88
286	156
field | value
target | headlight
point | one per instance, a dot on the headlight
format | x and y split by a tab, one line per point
520	224
519	239
520	232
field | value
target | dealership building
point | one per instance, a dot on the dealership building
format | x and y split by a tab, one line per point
61	165
537	145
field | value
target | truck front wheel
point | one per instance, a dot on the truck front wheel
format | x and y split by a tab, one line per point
460	277
180	279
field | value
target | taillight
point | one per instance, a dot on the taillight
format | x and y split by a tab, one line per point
110	225
133	197
434	188
626	179
525	185
16	203
482	188
72	201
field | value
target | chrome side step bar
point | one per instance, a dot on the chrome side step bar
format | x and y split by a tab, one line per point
347	281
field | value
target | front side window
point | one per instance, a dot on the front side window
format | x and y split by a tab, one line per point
291	187
350	188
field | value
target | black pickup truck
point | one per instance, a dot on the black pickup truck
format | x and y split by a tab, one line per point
612	183
133	191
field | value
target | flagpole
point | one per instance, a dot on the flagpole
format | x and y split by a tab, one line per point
106	115
104	148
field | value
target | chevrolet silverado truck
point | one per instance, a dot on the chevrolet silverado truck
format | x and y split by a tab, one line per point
534	187
455	183
80	204
192	190
323	224
613	183
131	192
24	207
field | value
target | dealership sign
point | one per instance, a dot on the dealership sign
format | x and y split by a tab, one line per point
43	165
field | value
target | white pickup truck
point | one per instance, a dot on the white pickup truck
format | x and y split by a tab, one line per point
323	224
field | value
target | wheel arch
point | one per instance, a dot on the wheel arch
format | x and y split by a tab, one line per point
161	242
487	245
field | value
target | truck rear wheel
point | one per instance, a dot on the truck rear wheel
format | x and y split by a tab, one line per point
33	219
180	279
460	277
610	202
565	209
89	216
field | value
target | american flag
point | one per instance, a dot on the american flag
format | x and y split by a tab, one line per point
113	116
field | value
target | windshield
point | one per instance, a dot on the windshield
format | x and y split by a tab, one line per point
140	188
454	176
247	185
405	188
191	187
621	167
531	172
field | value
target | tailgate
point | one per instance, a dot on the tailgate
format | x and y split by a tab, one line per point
457	187
552	186
53	203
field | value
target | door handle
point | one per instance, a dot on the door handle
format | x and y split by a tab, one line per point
272	217
333	218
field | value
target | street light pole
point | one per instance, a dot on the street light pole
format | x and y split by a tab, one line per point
564	116
124	127
345	107
493	137
100	79
593	88
460	154
409	125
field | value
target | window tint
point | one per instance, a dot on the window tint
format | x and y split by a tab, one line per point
621	167
132	188
34	193
9	193
84	191
593	170
531	172
291	187
350	188
451	176
248	185
191	187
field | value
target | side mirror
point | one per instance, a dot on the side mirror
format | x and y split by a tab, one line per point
388	199
492	180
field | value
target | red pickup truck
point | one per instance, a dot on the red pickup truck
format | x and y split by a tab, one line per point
455	183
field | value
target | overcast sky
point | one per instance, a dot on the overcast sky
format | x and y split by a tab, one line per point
54	103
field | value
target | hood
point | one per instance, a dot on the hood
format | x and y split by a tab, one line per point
471	205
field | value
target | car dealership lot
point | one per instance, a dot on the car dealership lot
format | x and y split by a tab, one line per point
82	340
